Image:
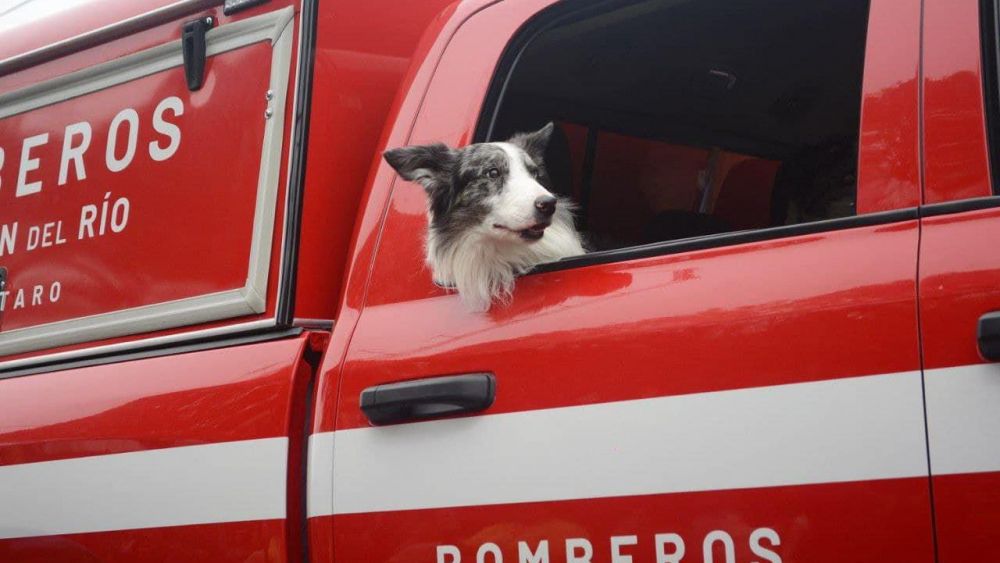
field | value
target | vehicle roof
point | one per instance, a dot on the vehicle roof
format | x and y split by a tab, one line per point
27	25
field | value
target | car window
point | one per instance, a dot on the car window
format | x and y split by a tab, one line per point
680	119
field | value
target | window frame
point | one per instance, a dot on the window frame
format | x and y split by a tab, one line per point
989	28
564	12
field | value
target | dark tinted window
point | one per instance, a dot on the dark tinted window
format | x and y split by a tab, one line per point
683	118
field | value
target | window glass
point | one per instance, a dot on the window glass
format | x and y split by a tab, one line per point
684	118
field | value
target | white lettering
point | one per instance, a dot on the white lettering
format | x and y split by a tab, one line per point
1	164
36	295
44	236
119	214
761	551
675	555
541	554
3	299
727	543
170	130
34	238
104	214
74	153
19	299
8	236
129	116
616	548
448	551
491	548
88	214
574	544
55	292
28	164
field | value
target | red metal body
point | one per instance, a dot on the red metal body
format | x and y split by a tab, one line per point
634	330
220	396
834	375
959	276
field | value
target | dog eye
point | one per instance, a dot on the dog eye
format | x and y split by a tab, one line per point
493	173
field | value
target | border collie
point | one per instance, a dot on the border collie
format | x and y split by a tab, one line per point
491	216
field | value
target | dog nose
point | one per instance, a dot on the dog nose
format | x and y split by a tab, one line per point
546	205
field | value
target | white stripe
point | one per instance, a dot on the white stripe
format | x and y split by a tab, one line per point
224	482
851	429
963	415
319	499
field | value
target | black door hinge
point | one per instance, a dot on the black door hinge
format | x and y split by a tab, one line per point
194	49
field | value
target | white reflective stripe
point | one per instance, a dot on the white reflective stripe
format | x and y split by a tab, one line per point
850	429
319	471
213	483
963	416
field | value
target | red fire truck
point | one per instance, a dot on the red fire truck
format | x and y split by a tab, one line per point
219	340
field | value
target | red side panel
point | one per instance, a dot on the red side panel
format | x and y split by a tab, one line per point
959	282
819	311
888	148
131	205
363	50
957	163
190	457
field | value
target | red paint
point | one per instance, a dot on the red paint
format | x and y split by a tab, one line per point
171	242
172	245
229	394
873	521
34	28
959	282
967	514
836	304
888	148
204	397
360	62
957	161
234	542
698	321
959	271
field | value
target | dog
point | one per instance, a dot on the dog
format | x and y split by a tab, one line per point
491	213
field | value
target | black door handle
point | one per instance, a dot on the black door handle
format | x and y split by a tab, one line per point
426	398
988	336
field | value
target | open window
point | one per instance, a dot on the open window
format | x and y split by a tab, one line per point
686	118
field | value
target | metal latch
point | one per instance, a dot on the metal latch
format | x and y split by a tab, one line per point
194	49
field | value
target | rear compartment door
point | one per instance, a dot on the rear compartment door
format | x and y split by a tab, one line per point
141	222
184	457
143	171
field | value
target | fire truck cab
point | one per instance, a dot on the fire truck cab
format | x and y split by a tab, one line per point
219	339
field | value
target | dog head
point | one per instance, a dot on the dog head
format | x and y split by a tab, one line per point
498	190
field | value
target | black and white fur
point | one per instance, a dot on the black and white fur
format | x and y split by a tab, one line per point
491	216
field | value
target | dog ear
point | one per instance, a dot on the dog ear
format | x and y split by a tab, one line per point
427	165
535	143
